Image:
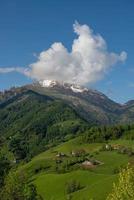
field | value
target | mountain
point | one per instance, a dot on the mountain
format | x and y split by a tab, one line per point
29	122
91	105
37	116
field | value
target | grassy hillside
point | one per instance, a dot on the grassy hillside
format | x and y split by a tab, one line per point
52	186
95	182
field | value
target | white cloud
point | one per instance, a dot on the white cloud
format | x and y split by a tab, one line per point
6	70
22	70
87	62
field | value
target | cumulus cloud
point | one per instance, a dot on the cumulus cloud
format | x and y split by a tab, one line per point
87	62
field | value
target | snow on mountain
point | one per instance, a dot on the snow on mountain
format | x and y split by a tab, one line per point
48	83
77	88
74	87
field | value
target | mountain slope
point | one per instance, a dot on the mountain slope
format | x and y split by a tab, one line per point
30	121
93	106
89	104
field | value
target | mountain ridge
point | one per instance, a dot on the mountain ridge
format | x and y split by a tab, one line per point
54	84
92	105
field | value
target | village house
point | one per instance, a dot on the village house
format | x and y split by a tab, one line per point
60	154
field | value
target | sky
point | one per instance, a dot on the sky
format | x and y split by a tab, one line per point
87	42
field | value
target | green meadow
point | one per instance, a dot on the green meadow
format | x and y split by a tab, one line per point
95	182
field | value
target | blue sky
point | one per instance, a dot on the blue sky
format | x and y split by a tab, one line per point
28	27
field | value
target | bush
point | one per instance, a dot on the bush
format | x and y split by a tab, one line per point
17	187
72	186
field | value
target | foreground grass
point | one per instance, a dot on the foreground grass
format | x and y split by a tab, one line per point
53	186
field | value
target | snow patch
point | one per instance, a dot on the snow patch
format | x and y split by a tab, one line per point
48	83
77	88
51	83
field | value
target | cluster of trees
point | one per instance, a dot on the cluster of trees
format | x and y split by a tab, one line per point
17	187
105	133
5	166
73	186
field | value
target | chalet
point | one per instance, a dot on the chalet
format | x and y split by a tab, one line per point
60	154
78	153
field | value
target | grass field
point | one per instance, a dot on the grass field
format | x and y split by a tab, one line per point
52	186
96	183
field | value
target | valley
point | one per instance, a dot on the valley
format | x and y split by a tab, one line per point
45	134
